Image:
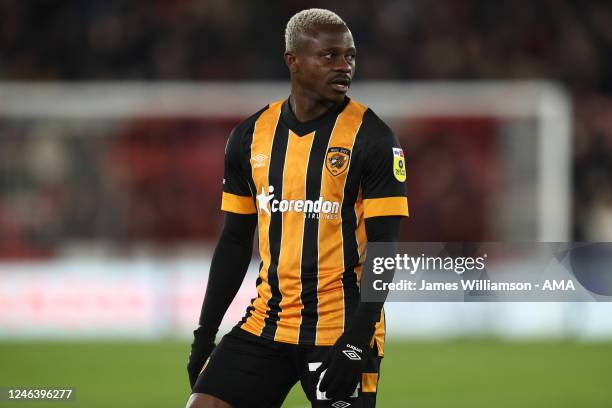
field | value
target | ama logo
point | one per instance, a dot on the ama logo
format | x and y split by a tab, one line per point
311	209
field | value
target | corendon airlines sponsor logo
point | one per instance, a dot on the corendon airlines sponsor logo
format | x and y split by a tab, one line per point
311	209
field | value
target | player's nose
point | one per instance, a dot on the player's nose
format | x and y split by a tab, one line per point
343	66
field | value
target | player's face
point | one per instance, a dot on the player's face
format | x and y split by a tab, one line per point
325	62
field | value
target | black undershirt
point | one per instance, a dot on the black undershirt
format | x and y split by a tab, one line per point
229	265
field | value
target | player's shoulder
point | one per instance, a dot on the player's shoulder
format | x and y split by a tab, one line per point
247	125
372	126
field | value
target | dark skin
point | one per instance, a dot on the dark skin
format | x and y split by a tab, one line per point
198	400
322	66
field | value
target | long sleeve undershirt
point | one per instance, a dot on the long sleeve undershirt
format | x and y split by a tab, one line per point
229	265
378	229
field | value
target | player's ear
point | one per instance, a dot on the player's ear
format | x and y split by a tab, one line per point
291	61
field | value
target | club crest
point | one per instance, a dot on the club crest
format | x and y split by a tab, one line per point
337	160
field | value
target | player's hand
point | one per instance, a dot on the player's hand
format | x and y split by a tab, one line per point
201	348
344	367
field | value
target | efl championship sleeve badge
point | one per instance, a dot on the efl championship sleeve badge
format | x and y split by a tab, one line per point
399	164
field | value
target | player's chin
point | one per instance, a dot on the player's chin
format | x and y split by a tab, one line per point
336	93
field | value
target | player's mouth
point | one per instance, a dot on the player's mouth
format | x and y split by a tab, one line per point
340	84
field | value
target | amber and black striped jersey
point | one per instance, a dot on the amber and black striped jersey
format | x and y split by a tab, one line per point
312	184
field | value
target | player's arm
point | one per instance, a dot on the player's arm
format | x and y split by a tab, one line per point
231	257
361	327
229	265
385	204
343	373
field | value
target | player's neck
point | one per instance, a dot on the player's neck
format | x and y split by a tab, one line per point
306	108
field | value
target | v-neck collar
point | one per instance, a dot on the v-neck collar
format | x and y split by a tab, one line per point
304	128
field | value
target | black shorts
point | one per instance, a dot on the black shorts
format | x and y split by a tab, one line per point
248	371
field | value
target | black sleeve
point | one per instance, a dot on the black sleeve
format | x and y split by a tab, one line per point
229	265
237	195
384	172
382	229
378	229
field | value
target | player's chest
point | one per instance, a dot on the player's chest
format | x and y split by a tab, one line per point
303	167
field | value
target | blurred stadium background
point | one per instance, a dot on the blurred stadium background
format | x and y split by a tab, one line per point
113	121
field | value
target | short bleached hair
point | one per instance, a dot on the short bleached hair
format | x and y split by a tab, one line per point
304	22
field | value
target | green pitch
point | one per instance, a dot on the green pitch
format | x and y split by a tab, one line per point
467	374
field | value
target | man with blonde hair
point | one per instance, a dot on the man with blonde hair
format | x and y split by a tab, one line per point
319	175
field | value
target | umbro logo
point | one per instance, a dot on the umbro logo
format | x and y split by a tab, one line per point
259	160
340	404
357	349
353	355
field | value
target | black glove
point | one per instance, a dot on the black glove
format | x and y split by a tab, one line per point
344	365
201	348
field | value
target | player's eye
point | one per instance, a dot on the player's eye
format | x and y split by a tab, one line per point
329	56
350	57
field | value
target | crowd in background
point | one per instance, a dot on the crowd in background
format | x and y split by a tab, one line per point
566	40
562	40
